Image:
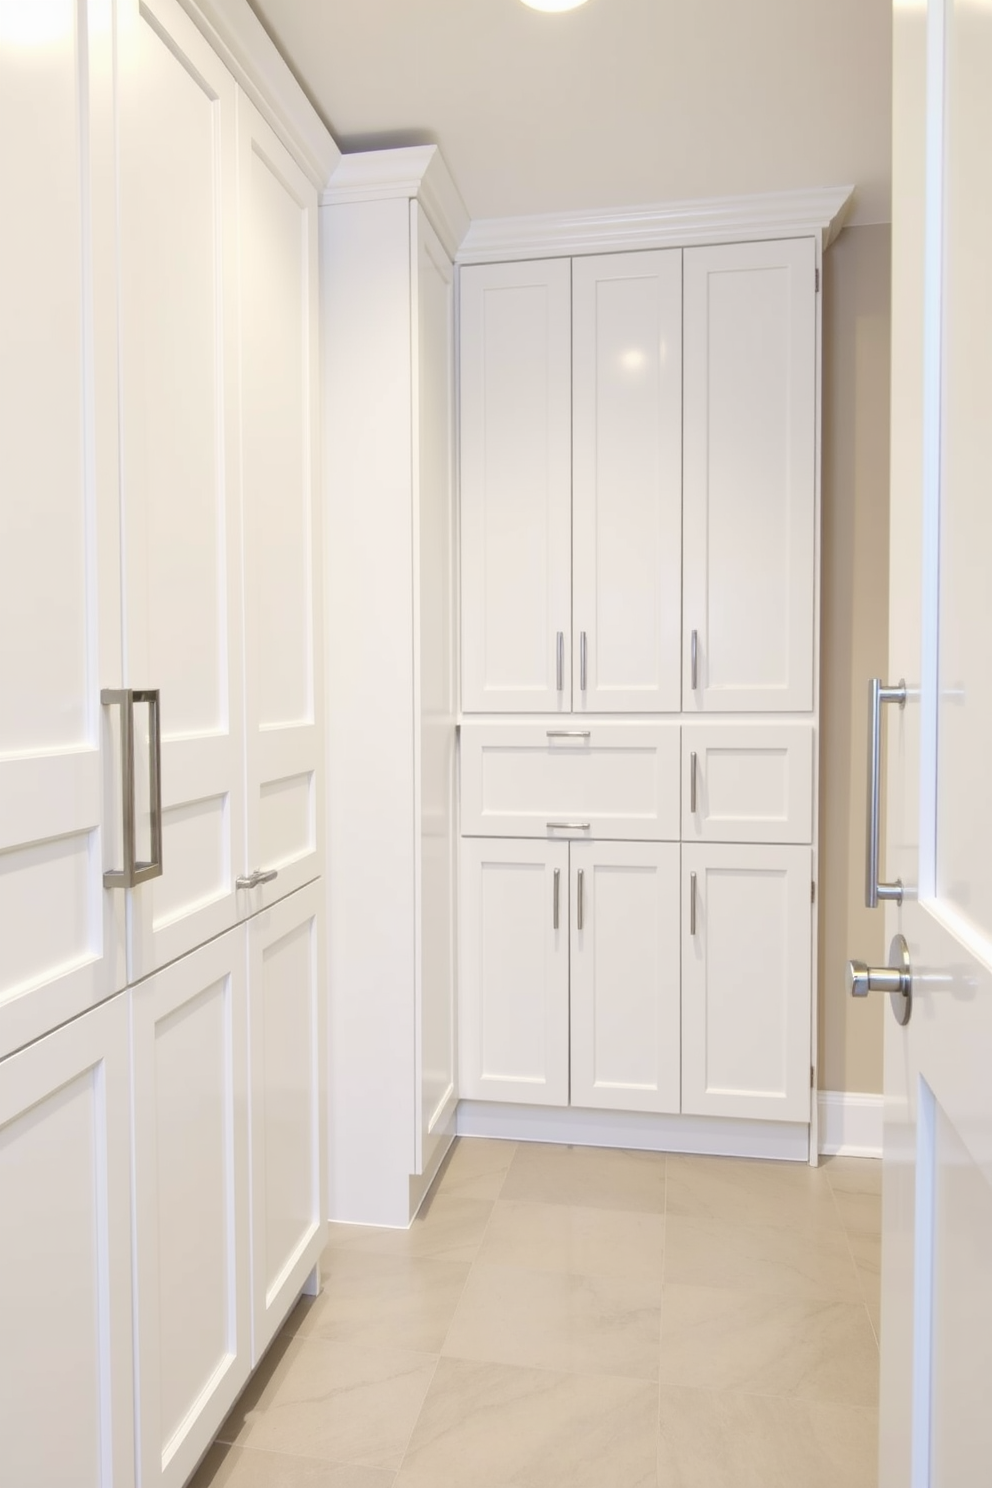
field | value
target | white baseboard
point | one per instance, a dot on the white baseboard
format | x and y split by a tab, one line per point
850	1123
785	1140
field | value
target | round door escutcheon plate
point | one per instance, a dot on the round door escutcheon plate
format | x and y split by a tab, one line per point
901	1002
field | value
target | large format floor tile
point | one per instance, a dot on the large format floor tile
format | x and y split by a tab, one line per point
762	1258
584	1241
400	1301
738	1191
235	1467
476	1168
448	1228
590	1177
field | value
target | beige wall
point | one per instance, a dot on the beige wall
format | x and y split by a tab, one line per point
854	646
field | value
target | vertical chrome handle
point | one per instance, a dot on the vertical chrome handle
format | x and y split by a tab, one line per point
692	904
582	660
694	660
560	661
153	868
133	872
877	695
578	902
692	781
554	914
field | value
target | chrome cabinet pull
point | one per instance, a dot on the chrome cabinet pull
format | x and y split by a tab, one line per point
568	733
554	916
578	910
877	695
694	660
692	904
560	661
582	661
134	871
568	826
256	877
692	781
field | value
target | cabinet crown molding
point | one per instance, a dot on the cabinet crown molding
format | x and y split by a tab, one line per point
415	172
819	213
239	38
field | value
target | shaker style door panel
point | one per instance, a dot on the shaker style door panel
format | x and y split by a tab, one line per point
191	1239
513	987
179	427
61	932
66	1400
516	435
749	477
747	782
746	982
625	999
627	482
281	513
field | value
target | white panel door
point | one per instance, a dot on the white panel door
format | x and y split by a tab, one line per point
62	933
747	782
287	1064
182	565
625	992
66	1402
627	482
281	514
749	483
435	739
513	984
516	441
191	1224
746	981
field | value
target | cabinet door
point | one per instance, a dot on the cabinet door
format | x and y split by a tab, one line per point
746	982
513	988
516	436
191	1243
179	426
281	514
627	482
66	1404
625	975
62	933
749	477
288	1057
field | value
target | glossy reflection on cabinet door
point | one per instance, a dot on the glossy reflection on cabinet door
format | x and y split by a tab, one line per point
66	1402
62	934
180	479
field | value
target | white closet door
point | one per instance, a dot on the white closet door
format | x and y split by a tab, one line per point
191	1228
516	438
60	930
746	981
283	673
749	477
66	1402
182	600
287	1061
513	988
627	482
625	975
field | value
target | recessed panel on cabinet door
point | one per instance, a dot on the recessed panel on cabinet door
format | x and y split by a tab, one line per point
749	477
62	934
283	683
182	601
516	435
747	782
627	482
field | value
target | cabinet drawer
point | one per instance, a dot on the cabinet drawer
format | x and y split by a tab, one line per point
609	779
753	782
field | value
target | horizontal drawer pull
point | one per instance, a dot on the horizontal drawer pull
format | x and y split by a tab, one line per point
569	733
569	826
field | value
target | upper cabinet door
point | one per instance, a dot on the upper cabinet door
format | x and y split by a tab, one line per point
627	482
516	431
182	590
749	477
281	514
61	932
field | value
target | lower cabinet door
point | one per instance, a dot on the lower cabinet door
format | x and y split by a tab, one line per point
191	1228
286	1036
513	987
625	1005
66	1403
746	981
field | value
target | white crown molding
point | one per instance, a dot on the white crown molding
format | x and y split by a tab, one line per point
726	219
414	172
240	39
850	1123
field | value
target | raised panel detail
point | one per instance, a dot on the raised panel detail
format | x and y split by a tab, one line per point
50	910
196	858
753	782
287	825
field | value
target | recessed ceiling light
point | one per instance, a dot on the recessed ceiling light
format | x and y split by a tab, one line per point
554	4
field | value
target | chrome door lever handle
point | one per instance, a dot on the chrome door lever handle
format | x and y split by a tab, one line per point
256	877
896	979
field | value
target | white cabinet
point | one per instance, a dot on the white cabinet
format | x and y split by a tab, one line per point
747	782
66	1404
746	977
749	478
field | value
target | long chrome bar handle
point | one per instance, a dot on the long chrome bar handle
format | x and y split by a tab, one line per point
582	661
578	910
153	868
554	910
694	660
135	872
877	695
560	661
692	782
692	904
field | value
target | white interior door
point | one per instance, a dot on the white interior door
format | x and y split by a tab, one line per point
61	931
936	1428
283	673
182	565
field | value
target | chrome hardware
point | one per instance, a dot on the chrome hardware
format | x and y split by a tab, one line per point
568	826
582	660
896	979
554	917
877	695
692	904
256	877
568	733
134	872
560	660
692	781
578	910
694	660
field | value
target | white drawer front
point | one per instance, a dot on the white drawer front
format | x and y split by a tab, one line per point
606	780
753	782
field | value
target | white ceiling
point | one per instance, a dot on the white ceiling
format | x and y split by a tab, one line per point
618	103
